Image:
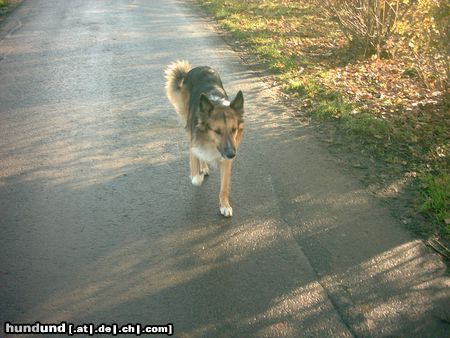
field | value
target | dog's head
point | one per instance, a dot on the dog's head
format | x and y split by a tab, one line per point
223	124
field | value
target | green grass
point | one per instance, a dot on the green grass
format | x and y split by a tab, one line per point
366	125
328	103
435	193
4	3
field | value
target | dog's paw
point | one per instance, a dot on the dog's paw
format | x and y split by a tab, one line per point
226	211
197	180
204	169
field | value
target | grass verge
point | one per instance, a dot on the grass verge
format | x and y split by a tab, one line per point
379	104
435	192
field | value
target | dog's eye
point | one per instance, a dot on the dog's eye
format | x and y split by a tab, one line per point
218	131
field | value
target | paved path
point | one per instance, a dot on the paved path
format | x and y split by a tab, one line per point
99	222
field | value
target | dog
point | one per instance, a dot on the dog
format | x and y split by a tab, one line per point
214	123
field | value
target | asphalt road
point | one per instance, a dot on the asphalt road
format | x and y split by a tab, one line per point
99	222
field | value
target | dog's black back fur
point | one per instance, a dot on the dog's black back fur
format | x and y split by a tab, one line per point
202	80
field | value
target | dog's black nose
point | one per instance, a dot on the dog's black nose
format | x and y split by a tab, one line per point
230	154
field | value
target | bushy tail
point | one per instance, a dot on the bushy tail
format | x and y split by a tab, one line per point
175	74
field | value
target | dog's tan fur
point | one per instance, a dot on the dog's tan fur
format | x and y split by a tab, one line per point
179	99
214	127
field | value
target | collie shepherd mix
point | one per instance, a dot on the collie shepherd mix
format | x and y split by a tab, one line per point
214	123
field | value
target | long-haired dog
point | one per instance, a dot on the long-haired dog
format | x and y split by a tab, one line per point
214	123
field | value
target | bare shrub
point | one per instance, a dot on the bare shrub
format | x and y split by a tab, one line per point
415	30
366	23
423	37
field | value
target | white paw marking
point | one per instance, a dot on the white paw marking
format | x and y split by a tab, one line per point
226	211
197	180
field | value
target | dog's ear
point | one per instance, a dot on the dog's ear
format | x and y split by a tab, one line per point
206	106
238	103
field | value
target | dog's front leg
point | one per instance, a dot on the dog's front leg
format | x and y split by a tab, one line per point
225	177
204	169
196	175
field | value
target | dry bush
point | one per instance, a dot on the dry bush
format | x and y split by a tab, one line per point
415	30
366	23
423	37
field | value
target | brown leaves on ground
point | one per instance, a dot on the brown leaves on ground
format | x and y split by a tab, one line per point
383	86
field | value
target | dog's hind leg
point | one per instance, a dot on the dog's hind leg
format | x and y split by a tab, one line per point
225	177
196	175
